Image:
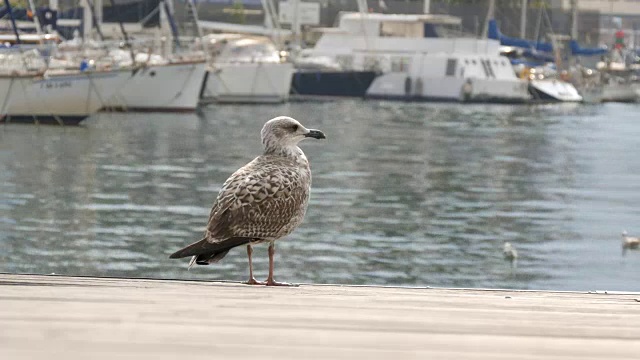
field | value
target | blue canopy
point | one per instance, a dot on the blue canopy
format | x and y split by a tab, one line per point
494	33
577	50
535	46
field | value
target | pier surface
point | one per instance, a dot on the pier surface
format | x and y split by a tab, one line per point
58	317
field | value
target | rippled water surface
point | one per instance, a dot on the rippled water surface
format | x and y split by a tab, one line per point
403	194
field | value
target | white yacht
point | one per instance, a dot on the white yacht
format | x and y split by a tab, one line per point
161	84
170	87
245	69
31	93
546	84
422	57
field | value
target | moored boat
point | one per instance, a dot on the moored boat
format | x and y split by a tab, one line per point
422	57
245	69
165	87
59	97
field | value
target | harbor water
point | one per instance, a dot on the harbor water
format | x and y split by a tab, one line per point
403	194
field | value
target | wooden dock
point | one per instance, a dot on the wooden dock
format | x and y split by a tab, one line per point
57	317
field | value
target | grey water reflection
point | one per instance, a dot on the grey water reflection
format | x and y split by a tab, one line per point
404	194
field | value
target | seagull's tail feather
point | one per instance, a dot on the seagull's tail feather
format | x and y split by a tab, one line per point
204	252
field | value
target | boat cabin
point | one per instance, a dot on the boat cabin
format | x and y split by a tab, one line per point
400	25
241	48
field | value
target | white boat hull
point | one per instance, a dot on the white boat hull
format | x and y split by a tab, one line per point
422	88
167	87
622	92
496	90
554	90
62	98
248	83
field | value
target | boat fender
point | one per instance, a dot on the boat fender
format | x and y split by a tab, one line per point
407	86
466	90
417	88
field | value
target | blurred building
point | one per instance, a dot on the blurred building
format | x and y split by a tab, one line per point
597	20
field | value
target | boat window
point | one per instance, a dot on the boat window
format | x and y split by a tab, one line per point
451	67
484	67
466	61
488	70
473	62
493	74
401	29
399	64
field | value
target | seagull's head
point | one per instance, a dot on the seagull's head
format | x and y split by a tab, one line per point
284	131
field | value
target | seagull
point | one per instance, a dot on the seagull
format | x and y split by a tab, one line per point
629	242
510	254
262	201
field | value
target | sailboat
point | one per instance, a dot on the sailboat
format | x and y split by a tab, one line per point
245	69
245	66
165	84
61	98
31	92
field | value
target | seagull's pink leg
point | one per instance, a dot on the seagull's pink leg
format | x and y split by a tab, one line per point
252	280
270	281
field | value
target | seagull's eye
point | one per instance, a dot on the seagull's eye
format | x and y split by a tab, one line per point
294	127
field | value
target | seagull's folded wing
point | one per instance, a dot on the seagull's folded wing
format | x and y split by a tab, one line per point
259	200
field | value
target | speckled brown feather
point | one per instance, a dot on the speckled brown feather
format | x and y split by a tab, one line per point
265	199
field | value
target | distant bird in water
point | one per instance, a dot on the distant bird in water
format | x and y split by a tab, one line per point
262	201
629	242
510	254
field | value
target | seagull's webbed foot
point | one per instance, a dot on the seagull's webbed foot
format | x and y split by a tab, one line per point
271	282
253	281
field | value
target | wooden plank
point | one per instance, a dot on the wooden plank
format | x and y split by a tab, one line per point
105	318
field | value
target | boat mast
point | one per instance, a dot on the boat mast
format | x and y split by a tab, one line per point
574	20
272	22
124	32
13	21
89	21
523	19
168	9
491	12
191	7
426	6
36	21
364	11
295	22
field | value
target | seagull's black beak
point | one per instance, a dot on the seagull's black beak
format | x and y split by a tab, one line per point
316	134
